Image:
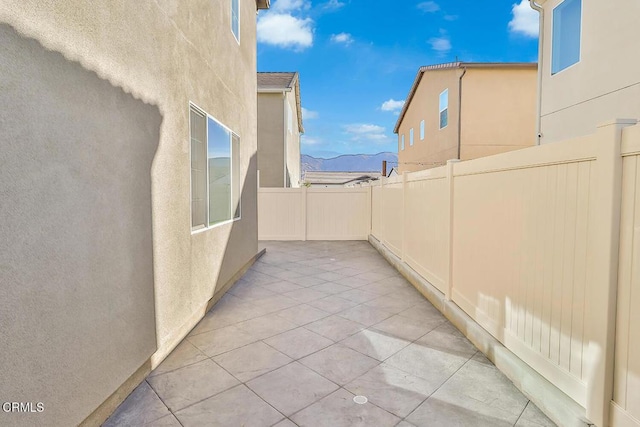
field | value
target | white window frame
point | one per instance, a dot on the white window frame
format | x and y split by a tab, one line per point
207	226
402	142
553	56
237	15
422	130
410	137
440	109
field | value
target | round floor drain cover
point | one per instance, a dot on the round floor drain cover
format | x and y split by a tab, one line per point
360	400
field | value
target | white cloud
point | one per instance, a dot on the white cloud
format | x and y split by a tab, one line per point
525	20
343	38
333	5
428	6
450	17
290	5
392	105
285	30
309	115
366	132
440	44
309	140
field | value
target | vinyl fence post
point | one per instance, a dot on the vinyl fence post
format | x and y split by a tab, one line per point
403	247
382	220
448	280
602	271
303	213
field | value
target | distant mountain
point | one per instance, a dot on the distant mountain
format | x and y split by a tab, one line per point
349	163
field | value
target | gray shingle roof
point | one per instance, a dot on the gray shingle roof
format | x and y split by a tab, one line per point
276	80
268	81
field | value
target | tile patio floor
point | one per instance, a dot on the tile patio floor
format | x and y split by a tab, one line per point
312	325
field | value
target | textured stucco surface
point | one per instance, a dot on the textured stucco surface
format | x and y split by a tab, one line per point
498	115
277	168
165	54
605	84
439	145
271	123
76	298
498	111
293	142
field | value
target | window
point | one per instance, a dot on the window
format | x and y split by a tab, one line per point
235	175
421	130
567	19
402	142
444	109
235	19
411	136
198	127
215	171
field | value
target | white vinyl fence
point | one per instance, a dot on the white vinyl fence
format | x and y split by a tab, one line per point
314	214
540	246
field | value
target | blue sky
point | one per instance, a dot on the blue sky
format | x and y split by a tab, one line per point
357	59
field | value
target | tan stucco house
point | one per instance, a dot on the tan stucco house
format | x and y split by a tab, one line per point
128	188
279	129
589	67
465	110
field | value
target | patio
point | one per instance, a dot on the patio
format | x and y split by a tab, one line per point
309	327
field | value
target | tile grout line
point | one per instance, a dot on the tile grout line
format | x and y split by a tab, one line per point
240	382
201	400
373	404
522	413
364	354
163	402
179	367
341	388
453	374
443	383
299	303
302	357
261	398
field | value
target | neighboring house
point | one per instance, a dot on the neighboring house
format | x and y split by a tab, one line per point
338	179
465	110
279	129
128	188
589	66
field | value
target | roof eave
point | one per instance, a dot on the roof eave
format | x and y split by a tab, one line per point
296	83
274	89
407	101
263	4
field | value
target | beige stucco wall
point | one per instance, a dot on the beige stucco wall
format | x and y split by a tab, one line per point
293	142
271	122
439	145
605	84
163	54
77	254
498	110
278	147
498	115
